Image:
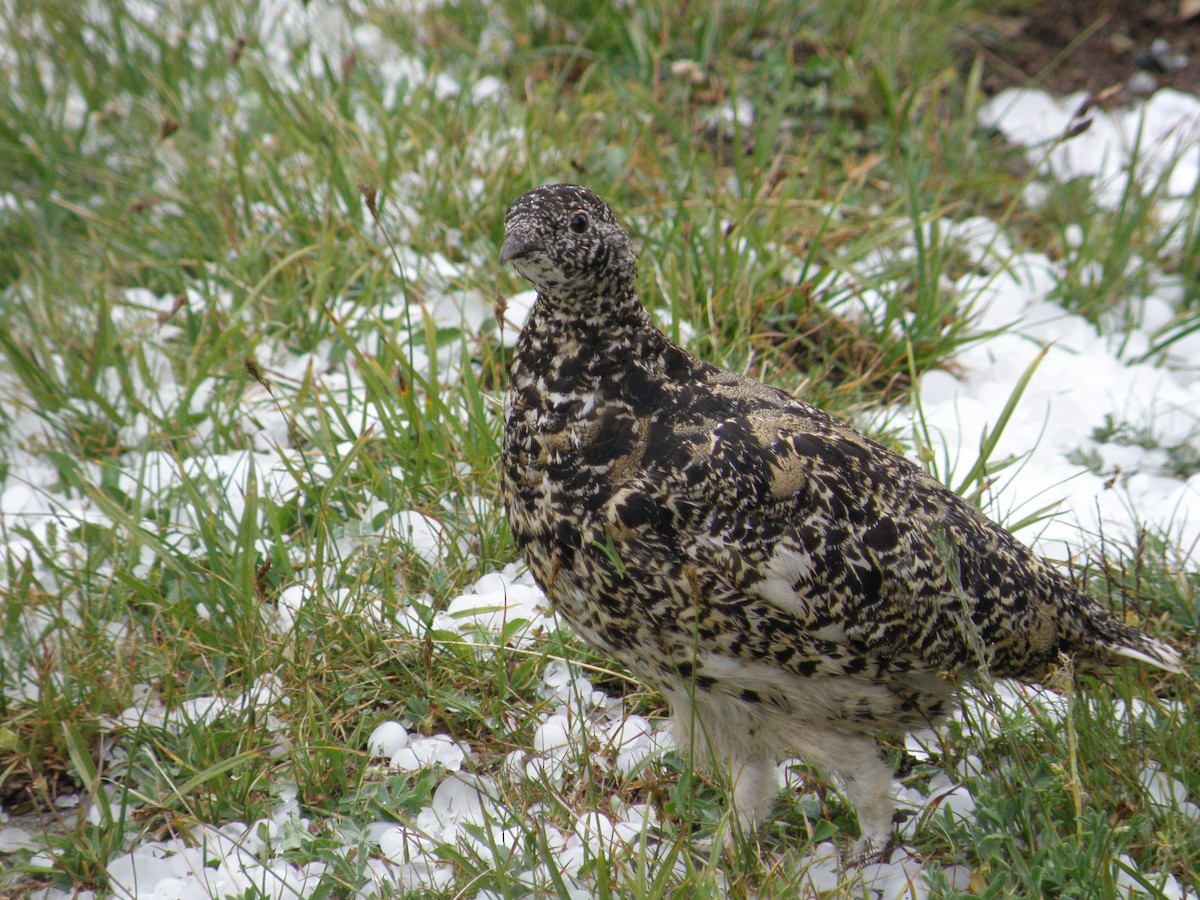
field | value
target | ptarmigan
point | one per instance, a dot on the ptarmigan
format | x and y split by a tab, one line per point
788	584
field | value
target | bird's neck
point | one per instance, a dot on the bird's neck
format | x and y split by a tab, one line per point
597	311
588	341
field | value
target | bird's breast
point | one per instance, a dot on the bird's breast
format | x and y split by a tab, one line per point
569	448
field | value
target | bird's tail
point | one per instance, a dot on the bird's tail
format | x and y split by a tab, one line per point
1148	650
1120	643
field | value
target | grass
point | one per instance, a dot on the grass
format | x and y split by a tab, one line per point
252	464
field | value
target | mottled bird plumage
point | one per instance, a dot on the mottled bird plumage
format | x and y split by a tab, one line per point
787	583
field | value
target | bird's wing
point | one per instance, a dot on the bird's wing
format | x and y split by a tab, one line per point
856	544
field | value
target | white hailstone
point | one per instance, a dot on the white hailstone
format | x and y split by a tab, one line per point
578	694
910	799
821	868
1090	273
281	880
374	831
550	769
556	674
514	765
286	813
387	739
495	608
491	583
571	859
427	875
1162	791
130	873
478	507
982	239
688	70
151	714
940	796
459	309
238	835
216	845
426	752
790	775
870	306
495	845
409	619
552	734
427	822
403	845
1021	702
13	839
663	741
1156	312
313	873
267	690
958	878
185	860
953	797
1159	129
640	815
179	889
465	797
922	745
595	830
554	837
423	535
18	499
902	879
296	367
970	766
631	738
739	112
1165	885
379	873
287	606
628	833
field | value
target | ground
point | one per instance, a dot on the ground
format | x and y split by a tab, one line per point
1023	46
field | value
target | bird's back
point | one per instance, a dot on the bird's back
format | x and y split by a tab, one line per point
673	508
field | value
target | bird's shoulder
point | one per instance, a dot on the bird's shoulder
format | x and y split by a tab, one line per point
796	508
774	447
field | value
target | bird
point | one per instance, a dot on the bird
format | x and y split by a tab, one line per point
789	585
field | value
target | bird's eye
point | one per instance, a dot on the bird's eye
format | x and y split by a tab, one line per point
579	222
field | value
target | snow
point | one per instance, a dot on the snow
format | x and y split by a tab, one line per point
1082	383
1155	141
1162	886
1165	793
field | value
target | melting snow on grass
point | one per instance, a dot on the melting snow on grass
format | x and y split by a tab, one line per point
1082	384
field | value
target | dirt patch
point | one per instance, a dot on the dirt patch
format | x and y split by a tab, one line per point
1132	46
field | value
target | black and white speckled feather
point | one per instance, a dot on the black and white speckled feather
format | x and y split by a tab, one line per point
787	583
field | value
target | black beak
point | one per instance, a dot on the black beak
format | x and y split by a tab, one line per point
515	248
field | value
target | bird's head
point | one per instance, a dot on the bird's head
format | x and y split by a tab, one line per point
567	242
